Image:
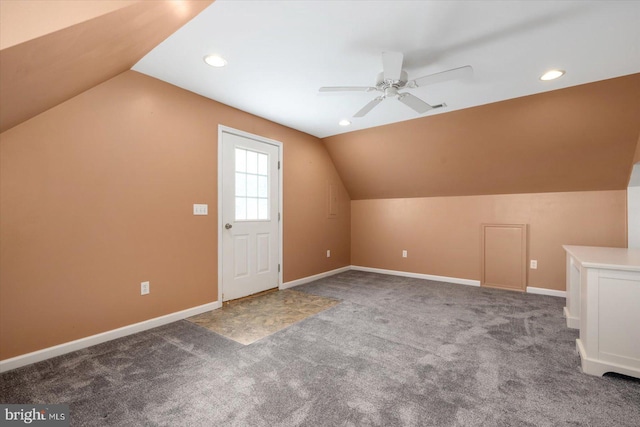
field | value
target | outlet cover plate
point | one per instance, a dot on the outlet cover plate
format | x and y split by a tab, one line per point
144	288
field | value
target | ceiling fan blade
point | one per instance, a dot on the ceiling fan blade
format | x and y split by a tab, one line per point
455	73
392	65
347	89
415	103
363	112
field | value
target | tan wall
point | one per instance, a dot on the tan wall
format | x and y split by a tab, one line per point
442	234
580	138
96	196
39	73
21	21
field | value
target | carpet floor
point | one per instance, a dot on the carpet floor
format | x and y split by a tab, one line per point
394	351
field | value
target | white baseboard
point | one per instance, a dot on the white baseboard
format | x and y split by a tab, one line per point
467	282
470	282
572	322
68	347
544	291
308	279
58	350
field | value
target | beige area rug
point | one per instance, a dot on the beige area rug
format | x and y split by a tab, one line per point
249	319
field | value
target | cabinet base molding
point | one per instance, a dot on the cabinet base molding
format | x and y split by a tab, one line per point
572	322
599	368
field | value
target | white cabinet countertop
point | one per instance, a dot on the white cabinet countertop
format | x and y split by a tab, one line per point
606	258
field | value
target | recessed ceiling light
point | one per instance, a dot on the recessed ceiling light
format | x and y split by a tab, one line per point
215	60
552	75
344	122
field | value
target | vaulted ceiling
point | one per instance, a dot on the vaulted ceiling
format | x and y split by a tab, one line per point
54	50
504	130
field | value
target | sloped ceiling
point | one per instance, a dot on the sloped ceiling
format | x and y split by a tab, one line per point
99	43
574	139
21	21
579	138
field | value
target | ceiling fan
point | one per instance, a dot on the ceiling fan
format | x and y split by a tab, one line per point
393	78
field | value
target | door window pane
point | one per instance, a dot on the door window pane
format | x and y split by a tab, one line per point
241	160
263	162
252	185
241	184
263	187
252	162
252	208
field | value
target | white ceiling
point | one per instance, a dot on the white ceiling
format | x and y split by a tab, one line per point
280	52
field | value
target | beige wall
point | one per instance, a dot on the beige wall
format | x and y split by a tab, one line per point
21	21
96	196
442	234
580	138
88	42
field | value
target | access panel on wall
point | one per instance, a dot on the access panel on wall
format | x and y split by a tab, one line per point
504	256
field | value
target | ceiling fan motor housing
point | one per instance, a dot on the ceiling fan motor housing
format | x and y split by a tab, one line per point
383	84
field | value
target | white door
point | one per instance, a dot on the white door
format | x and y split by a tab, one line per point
250	229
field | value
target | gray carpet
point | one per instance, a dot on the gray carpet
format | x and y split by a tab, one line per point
395	351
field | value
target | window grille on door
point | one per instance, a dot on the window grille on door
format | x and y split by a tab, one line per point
252	185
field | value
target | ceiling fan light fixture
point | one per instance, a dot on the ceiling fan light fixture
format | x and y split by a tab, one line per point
393	78
215	61
344	122
552	75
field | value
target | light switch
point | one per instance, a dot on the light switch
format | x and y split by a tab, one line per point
199	209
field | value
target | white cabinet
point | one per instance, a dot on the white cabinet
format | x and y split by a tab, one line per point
572	309
603	301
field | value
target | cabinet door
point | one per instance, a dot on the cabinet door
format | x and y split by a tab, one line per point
504	256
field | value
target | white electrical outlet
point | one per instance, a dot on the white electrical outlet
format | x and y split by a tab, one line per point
328	253
534	264
404	254
144	288
199	209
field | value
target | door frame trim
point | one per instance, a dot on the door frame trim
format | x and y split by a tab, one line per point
225	129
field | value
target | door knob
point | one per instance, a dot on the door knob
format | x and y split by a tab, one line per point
228	226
